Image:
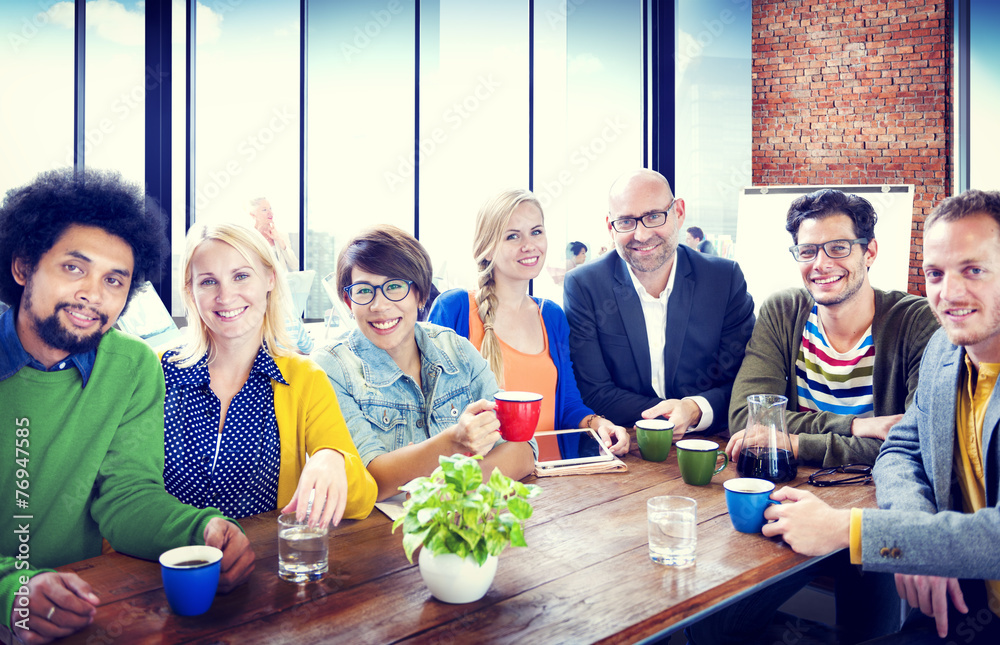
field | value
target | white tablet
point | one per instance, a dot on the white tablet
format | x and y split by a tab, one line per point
584	443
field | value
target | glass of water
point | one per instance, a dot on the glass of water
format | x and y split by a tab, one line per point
673	529
303	550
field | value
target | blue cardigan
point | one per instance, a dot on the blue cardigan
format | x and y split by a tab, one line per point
451	309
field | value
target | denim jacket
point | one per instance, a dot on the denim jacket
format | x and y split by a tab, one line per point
386	409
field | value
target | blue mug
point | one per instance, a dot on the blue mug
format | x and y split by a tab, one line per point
746	499
190	578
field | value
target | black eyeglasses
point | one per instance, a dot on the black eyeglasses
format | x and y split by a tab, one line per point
834	249
362	293
652	219
842	475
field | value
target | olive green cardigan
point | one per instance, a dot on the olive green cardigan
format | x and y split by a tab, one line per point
901	328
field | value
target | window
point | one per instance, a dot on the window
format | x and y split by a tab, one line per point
416	113
360	127
984	95
116	85
38	116
713	126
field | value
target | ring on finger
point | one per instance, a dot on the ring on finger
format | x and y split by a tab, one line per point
52	610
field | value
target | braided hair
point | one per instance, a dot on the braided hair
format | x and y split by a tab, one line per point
491	222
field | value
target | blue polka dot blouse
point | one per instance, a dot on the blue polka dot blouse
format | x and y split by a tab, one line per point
235	471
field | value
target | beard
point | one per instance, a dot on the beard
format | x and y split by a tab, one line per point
647	264
851	289
54	334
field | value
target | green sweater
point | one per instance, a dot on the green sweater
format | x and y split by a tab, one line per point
92	466
901	328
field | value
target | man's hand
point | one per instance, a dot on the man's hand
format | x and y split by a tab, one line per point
875	427
808	525
477	428
684	413
735	445
58	605
326	473
930	594
237	556
605	429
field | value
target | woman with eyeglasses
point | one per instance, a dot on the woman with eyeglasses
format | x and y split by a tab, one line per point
244	412
410	392
524	339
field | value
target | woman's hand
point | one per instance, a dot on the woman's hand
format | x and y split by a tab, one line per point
326	473
606	429
477	428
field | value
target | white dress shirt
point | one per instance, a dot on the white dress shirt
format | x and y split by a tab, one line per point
654	311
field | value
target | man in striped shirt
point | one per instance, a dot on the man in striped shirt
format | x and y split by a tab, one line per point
845	354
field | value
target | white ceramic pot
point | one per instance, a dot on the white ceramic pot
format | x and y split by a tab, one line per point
456	580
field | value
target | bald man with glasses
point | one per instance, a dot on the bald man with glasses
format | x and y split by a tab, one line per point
658	329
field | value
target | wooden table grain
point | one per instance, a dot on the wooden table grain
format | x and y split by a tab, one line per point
585	576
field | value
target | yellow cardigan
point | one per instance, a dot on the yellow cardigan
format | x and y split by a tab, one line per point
309	419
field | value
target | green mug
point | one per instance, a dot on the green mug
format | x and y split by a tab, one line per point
654	436
697	459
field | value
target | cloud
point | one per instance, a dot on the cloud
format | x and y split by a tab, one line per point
108	19
112	21
208	21
62	14
688	49
585	64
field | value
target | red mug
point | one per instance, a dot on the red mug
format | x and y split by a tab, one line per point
518	414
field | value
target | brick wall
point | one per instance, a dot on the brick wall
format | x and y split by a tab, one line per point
855	92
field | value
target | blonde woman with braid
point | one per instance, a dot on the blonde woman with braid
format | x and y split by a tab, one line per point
525	340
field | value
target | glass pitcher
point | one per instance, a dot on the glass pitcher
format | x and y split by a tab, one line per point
767	451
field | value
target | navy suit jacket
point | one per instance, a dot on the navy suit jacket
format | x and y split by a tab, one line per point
709	321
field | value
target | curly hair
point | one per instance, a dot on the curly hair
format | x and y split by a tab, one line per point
34	216
827	202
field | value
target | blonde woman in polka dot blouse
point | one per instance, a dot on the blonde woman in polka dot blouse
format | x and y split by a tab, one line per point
243	410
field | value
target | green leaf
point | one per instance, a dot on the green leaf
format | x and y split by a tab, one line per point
517	535
410	543
454	511
467	534
519	508
425	515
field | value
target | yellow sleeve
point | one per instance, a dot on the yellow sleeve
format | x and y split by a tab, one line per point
856	515
309	420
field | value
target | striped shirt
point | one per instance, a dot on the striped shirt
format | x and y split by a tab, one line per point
832	381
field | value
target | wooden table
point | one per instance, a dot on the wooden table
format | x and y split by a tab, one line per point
585	576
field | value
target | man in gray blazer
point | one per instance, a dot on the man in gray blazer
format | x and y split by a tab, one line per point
938	475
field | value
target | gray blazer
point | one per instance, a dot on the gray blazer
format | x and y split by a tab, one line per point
920	527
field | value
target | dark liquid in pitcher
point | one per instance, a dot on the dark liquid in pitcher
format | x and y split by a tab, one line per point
755	462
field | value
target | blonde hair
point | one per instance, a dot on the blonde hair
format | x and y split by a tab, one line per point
252	246
491	222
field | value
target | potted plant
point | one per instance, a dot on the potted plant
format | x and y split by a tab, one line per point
463	524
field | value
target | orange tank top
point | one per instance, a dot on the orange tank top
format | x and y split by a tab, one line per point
528	373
